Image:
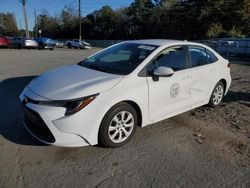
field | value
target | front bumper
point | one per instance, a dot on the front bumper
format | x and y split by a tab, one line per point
59	45
49	46
40	121
30	45
4	45
85	47
36	126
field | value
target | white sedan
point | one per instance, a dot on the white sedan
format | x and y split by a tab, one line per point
103	98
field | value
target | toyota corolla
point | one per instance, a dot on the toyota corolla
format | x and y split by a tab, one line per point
105	97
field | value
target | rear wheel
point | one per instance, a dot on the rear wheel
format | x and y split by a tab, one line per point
217	95
118	125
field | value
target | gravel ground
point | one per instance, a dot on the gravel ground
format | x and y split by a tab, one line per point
201	148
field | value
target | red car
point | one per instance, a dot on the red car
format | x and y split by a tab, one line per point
4	42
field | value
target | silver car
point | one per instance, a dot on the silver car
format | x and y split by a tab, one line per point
23	42
59	44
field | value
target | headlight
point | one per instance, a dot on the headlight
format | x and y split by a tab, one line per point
72	106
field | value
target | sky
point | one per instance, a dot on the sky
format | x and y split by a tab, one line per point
53	7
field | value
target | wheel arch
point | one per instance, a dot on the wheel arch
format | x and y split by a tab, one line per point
131	103
137	109
134	105
224	83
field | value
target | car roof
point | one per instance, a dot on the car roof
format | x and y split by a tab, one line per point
158	42
163	42
167	42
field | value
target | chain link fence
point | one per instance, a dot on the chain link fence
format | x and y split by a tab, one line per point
230	47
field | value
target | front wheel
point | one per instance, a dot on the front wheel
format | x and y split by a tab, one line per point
217	95
118	125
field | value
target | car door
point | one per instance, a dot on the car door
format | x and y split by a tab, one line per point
18	42
76	43
204	72
169	95
15	42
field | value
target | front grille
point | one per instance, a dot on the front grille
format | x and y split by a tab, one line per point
36	125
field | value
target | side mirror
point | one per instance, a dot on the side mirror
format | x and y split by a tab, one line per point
163	72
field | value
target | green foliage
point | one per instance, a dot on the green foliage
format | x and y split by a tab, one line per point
179	19
46	22
236	32
215	30
8	26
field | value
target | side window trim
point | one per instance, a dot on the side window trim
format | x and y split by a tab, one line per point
144	73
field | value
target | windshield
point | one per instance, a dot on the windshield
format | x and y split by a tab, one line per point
121	59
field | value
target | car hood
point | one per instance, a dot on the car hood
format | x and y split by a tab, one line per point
72	82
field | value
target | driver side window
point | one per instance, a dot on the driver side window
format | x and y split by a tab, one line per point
173	57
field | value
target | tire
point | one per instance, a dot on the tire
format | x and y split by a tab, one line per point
112	129
19	46
217	95
69	45
40	46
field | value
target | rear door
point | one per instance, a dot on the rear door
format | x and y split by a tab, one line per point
204	70
76	43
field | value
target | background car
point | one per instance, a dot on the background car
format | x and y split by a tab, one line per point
76	43
23	42
86	45
45	43
4	42
59	44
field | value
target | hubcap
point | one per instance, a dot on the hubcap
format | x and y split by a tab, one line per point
121	126
218	94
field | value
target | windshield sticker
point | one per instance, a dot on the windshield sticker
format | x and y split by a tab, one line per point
146	47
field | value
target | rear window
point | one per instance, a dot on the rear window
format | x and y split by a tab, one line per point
211	57
201	56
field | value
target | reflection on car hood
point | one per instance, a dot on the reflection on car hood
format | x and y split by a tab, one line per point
72	82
